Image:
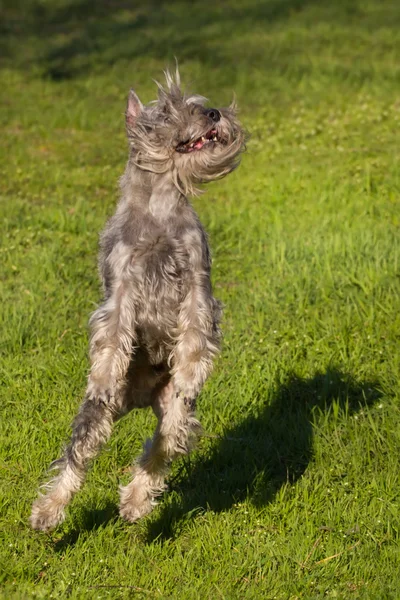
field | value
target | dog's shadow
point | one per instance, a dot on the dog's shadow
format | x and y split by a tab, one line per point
88	519
254	458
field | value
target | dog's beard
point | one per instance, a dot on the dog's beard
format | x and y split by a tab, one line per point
213	154
211	161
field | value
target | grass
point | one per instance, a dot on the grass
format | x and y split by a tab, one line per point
294	489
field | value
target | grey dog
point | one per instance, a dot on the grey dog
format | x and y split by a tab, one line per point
154	338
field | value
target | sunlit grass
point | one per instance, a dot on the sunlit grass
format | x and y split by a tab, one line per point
293	491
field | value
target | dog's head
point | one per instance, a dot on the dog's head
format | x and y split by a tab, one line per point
178	133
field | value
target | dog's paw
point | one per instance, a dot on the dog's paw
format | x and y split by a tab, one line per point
99	394
132	513
46	514
135	502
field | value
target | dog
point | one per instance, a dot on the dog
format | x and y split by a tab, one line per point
155	336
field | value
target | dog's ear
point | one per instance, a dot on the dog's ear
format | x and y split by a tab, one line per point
133	109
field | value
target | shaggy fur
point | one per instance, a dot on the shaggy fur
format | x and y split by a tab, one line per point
154	338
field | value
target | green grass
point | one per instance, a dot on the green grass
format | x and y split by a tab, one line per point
294	489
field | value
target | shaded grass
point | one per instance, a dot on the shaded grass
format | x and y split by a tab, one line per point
293	492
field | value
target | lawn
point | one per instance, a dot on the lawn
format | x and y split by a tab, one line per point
294	489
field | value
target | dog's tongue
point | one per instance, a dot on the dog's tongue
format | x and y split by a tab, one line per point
199	144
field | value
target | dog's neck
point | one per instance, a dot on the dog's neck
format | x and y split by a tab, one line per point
155	191
165	196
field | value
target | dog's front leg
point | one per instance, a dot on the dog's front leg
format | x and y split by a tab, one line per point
112	337
198	342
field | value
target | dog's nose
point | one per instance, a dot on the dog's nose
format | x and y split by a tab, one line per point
214	114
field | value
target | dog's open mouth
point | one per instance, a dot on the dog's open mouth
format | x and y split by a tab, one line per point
190	146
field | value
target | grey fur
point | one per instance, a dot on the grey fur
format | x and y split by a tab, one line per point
154	338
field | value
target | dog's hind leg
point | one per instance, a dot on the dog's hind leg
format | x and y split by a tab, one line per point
174	404
174	434
111	346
